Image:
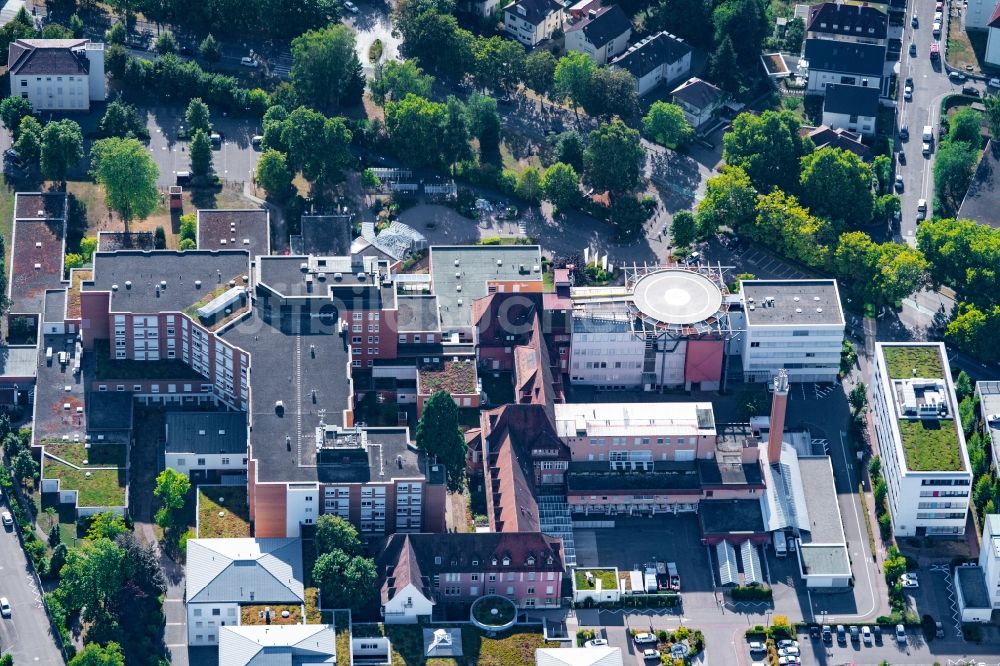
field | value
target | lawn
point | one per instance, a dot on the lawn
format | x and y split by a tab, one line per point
930	445
313	615
342	627
97	487
606	576
902	361
512	649
234	522
254	614
6	219
454	377
965	48
98	455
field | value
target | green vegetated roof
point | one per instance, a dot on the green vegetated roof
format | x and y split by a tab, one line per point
931	445
96	487
901	361
606	576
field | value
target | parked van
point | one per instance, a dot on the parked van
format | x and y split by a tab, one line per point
48	355
780	544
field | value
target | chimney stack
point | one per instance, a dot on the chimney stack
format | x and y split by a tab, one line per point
778	404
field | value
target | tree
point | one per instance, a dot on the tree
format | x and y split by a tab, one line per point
498	62
874	465
966	125
529	185
484	123
795	31
128	175
540	71
121	119
197	117
22	26
439	437
729	200
611	91
571	79
201	154
455	133
91	577
992	103
29	143
612	161
431	34
973	331
725	68
23	467
318	146
159	238
106	525
745	22
837	184
665	124
172	488
12	110
95	655
878	273
683	228
768	148
345	581
561	185
689	19
784	224
395	79
953	168
116	34
209	49
333	532
325	67
166	43
415	127
568	147
882	169
62	149
858	399
76	26
963	385
273	173
963	255
627	216
58	560
369	180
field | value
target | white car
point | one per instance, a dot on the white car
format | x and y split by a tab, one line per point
350	6
7	520
596	642
4	607
651	654
909	580
993	418
788	652
788	643
757	646
788	660
994	82
644	637
247	61
866	634
908	93
901	634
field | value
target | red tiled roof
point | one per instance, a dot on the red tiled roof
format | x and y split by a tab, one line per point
534	381
994	21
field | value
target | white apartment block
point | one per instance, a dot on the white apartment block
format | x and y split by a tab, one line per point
920	440
533	21
797	325
57	74
989	557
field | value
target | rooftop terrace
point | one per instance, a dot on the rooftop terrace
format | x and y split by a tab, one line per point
931	445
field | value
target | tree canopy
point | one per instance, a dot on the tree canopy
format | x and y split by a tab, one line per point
561	185
439	436
333	532
837	184
878	273
730	199
613	159
768	148
171	488
326	71
395	79
62	148
666	124
128	174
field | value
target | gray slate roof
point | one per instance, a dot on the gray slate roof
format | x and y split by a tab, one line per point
852	100
652	52
206	432
47	57
845	57
277	645
607	24
245	571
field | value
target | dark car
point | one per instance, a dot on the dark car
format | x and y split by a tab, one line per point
827	634
904	133
841	634
901	156
971	91
877	630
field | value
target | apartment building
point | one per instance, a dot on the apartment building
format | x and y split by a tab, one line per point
533	21
602	33
989	557
920	440
206	446
858	24
420	571
797	325
57	74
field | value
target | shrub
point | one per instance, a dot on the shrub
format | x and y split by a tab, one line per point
752	593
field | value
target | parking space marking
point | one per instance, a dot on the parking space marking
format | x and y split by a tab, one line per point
956	616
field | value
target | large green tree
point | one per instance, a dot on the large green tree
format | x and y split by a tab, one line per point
966	125
346	581
614	157
197	117
745	22
689	19
439	437
128	174
572	78
561	185
318	146
666	124
201	155
171	488
455	132
540	72
954	165
837	184
484	123
627	217
725	68
499	63
29	140
431	34
683	228
90	579
121	119
611	91
784	224
273	173
326	71
992	103
12	110
878	273
395	79
333	532
729	200
963	255
415	127
768	148
22	26
95	655
62	149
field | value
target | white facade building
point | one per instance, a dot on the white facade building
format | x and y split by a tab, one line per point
989	557
533	21
662	58
57	74
797	325
312	644
602	34
920	440
205	444
979	13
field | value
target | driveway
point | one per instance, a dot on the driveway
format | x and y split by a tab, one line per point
373	22
26	635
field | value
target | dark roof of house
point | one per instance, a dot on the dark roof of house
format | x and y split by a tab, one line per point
845	57
235	229
983	197
47	56
206	432
827	137
325	235
852	100
697	93
605	25
717	473
109	411
533	11
652	52
675	477
842	19
37	263
972	581
731	516
39	206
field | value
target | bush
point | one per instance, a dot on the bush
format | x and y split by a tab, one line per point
751	593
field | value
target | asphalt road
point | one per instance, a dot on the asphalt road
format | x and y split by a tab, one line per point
930	85
26	634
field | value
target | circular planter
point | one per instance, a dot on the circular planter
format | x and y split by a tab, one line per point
493	613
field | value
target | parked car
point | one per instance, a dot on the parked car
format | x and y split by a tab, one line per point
651	654
908	92
757	646
899	182
914	22
827	634
901	634
788	652
971	91
904	133
788	643
7	520
644	637
4	607
939	633
216	140
788	660
956	76
350	6
877	630
596	642
994	82
910	580
866	635
256	140
913	50
855	634
247	61
993	418
693	258
921	214
183	177
841	634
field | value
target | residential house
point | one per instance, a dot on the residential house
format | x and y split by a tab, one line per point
853	108
533	21
57	74
846	63
482	8
206	445
700	101
842	22
662	58
226	575
602	33
419	571
289	644
828	137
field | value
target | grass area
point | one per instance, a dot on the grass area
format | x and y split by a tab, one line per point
606	576
6	220
254	614
930	445
96	487
313	616
513	649
73	295
904	360
484	607
98	455
109	368
964	48
511	162
234	522
342	627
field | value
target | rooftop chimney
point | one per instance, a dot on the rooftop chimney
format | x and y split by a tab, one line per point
777	429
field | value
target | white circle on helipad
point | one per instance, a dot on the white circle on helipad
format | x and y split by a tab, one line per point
677	296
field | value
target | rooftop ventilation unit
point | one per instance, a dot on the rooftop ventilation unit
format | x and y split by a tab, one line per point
456	262
361	277
128	284
304	266
338	276
163	284
499	262
197	284
321	276
114	287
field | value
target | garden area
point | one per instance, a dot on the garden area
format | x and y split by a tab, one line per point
223	512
